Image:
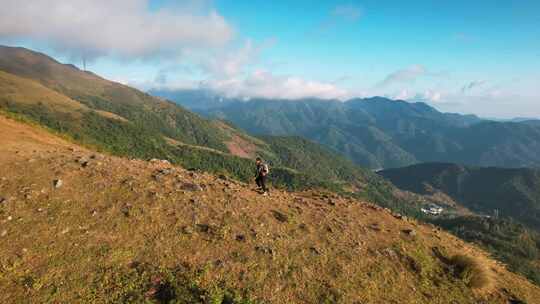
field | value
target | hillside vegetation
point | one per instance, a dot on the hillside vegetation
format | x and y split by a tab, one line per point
510	196
511	193
508	241
123	121
80	226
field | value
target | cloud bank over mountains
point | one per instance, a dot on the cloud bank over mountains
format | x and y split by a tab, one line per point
191	37
189	44
122	28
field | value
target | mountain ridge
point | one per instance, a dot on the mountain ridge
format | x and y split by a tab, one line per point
383	133
126	122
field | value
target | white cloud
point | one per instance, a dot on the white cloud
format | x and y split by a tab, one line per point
235	61
401	95
261	83
430	96
125	28
238	72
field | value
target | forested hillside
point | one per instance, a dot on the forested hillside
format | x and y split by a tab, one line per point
378	132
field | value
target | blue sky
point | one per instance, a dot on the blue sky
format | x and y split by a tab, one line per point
479	57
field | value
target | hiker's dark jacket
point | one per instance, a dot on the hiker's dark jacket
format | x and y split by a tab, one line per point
261	168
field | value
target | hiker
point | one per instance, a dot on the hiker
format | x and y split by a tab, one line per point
260	176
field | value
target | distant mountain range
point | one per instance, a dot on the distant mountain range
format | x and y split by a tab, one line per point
378	132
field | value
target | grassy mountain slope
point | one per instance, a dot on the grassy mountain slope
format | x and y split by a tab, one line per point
119	230
508	241
382	133
133	124
141	110
121	120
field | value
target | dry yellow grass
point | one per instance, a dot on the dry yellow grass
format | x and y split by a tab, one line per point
85	242
473	271
24	91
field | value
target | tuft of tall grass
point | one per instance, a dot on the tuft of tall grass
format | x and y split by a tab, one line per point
472	270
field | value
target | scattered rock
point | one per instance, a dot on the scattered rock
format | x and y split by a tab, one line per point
191	187
82	160
159	174
374	207
389	252
358	244
126	209
280	216
3	233
264	250
128	181
97	156
315	251
300	200
375	227
160	161
57	183
65	231
9	218
413	264
187	230
304	227
204	228
409	232
3	200
223	177
165	171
